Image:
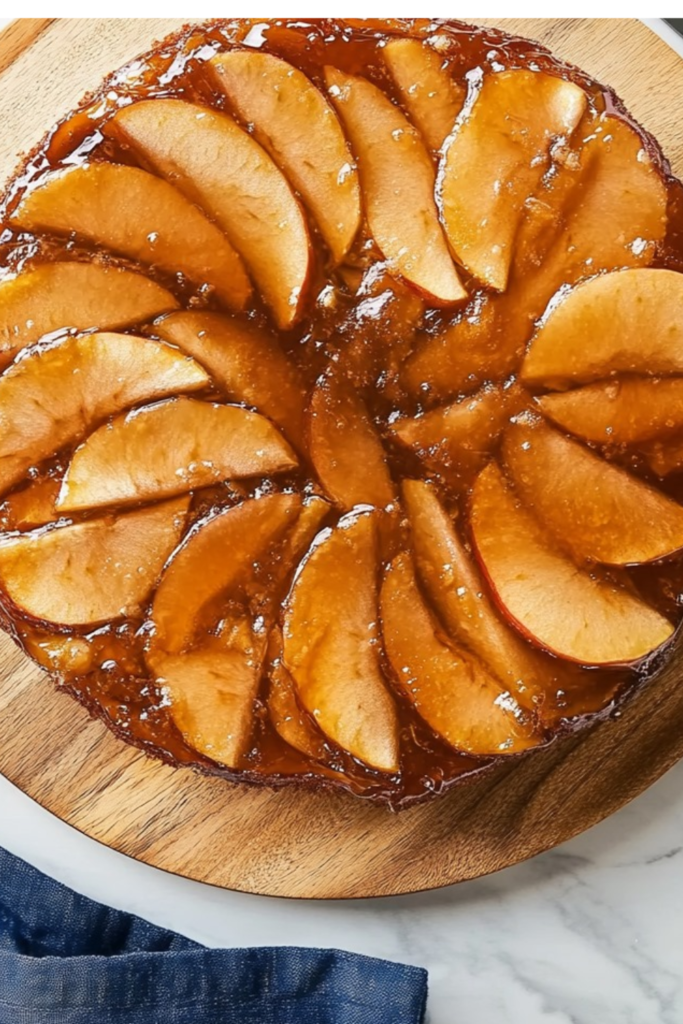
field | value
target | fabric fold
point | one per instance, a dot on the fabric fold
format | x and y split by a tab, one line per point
65	959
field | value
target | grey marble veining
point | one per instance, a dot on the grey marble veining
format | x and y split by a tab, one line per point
590	933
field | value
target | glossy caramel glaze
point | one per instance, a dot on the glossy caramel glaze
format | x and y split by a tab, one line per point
370	338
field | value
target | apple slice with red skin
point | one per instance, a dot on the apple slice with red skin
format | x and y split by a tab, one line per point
625	322
77	296
604	209
211	692
84	574
293	121
452	581
397	182
246	362
495	161
130	211
217	554
345	448
217	165
456	440
449	687
626	411
331	643
172	447
431	95
583	617
595	510
53	396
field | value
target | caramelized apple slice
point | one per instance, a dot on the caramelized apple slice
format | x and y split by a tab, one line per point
344	447
285	558
246	362
604	209
583	617
296	124
611	203
456	440
619	412
496	160
222	168
56	296
290	722
94	571
211	692
170	448
331	644
56	395
595	510
432	97
130	211
450	689
218	553
453	583
302	533
625	322
34	505
397	179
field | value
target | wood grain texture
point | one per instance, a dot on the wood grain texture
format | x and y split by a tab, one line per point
18	36
292	843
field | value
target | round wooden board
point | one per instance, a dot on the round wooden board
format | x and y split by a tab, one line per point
291	843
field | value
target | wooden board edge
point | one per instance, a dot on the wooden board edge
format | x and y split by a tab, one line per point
18	36
24	41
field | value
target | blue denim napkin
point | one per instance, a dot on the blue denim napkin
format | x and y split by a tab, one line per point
67	960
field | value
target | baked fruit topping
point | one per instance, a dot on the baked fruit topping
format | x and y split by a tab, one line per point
88	573
594	618
496	159
331	643
450	688
295	123
54	395
221	168
56	297
172	447
127	210
431	94
341	403
397	179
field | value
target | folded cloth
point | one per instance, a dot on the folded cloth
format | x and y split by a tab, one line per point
67	960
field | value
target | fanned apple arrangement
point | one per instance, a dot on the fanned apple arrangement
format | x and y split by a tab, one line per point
342	402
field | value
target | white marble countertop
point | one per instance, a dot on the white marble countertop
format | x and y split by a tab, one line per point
590	933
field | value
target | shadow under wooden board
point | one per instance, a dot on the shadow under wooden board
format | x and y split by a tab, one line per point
289	843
